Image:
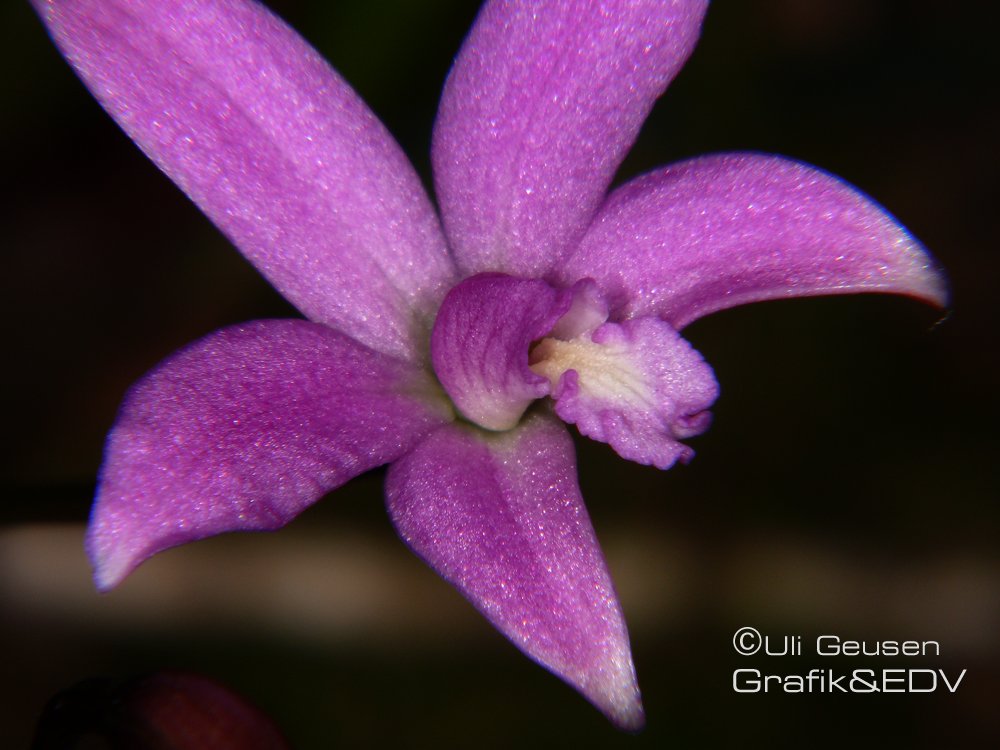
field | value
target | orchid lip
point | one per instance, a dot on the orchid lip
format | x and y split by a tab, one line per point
606	374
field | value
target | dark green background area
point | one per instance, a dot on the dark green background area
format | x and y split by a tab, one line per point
848	485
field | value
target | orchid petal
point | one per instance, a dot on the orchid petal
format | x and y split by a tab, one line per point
543	103
480	345
275	148
499	515
720	231
637	386
245	429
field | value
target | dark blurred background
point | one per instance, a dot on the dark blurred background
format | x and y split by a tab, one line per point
848	485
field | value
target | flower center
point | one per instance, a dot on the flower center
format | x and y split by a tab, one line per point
500	342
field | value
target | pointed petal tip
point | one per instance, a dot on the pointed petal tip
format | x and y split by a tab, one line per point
105	582
617	697
913	271
112	563
632	719
607	680
109	571
931	285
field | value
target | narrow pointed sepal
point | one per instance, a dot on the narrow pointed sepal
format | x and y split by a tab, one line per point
500	516
543	103
243	430
719	231
277	150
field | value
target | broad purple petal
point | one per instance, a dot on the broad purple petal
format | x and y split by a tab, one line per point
500	516
481	341
543	103
719	231
637	386
275	148
245	429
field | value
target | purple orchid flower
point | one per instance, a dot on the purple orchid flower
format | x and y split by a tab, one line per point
451	350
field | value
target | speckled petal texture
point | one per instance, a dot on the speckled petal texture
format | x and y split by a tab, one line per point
545	99
720	231
245	429
480	345
500	517
275	148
